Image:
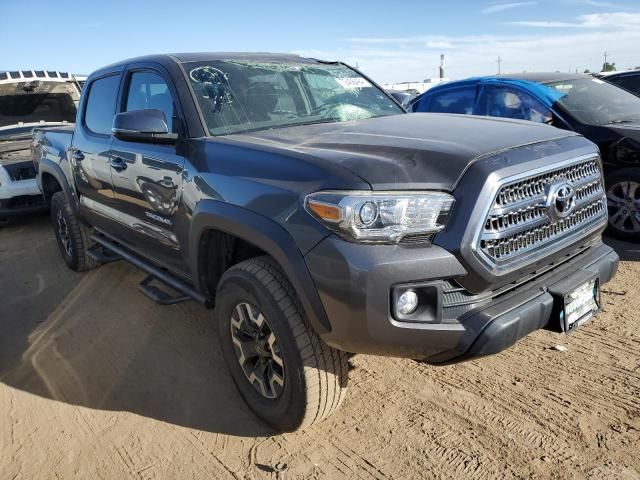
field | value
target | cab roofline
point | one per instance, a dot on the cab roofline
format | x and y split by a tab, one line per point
179	58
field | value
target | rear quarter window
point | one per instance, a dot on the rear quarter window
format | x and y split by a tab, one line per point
101	104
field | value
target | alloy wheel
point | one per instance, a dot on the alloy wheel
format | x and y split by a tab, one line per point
257	350
623	200
63	232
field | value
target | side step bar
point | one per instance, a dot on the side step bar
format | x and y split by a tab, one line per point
155	273
100	254
158	295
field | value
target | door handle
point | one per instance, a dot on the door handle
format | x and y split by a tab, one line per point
78	155
118	164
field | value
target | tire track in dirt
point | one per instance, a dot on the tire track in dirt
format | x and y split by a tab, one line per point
440	450
497	409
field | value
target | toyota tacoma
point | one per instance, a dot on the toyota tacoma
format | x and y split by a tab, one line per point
318	218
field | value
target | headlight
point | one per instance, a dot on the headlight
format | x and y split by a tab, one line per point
382	217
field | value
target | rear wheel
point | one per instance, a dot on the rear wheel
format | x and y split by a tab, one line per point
623	202
72	236
286	374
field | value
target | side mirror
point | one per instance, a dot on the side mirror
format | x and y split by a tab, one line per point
147	126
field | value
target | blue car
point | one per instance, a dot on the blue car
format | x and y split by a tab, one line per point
607	115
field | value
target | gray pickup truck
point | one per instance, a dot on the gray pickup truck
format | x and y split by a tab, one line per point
319	218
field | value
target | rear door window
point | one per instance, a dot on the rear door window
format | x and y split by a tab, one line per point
101	104
509	102
460	100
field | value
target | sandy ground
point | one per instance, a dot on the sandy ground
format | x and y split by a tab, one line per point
96	381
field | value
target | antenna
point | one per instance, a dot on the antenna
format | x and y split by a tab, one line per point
499	65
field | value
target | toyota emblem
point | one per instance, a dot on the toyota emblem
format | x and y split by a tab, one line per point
561	200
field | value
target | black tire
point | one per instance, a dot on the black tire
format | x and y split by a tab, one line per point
72	235
621	207
315	375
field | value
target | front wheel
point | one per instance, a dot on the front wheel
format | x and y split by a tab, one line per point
623	202
286	374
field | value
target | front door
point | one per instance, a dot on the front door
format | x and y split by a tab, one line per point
147	177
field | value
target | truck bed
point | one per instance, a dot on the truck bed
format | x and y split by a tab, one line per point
57	140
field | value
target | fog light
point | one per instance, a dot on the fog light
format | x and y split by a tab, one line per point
407	302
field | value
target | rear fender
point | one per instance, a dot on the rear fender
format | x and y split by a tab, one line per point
53	169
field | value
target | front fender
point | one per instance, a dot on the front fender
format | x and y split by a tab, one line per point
266	234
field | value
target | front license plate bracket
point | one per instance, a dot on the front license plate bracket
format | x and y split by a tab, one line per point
576	301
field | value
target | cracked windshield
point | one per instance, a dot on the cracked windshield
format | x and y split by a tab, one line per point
245	96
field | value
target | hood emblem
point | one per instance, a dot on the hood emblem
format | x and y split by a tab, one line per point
561	200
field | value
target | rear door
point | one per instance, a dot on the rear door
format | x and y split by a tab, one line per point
90	150
147	177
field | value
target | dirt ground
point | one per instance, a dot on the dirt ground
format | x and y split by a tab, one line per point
96	381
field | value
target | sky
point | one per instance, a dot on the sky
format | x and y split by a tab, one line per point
389	41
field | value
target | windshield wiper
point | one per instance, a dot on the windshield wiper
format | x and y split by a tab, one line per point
622	120
321	120
299	124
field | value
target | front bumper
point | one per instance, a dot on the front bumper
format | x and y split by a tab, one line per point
355	284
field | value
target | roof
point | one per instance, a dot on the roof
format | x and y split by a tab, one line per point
258	56
174	58
623	73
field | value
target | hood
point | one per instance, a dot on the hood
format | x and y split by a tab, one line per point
413	151
35	101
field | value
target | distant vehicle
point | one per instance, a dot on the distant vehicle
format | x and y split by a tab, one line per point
628	79
28	99
415	87
81	79
404	98
605	114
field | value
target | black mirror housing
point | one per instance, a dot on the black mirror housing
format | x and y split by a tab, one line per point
146	126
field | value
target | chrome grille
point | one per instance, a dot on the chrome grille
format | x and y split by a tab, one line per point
519	220
535	186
